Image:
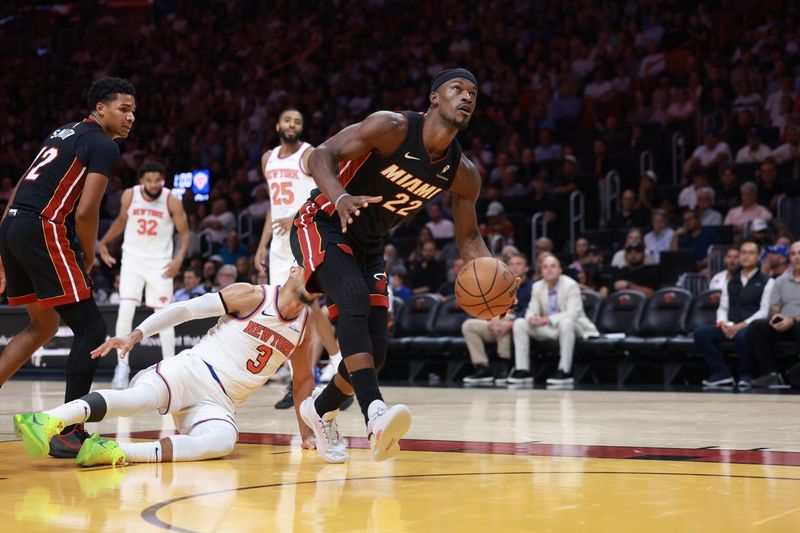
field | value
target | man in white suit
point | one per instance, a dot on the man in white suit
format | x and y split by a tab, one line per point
556	313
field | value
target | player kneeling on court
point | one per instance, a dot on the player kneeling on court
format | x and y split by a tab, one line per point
260	327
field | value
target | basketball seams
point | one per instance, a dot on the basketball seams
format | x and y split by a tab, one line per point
483	296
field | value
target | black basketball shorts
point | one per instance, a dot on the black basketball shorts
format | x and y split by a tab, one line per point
42	264
313	232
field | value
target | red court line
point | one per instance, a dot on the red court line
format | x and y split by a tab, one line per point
752	457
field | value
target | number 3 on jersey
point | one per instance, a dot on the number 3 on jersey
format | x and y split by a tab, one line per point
261	360
282	193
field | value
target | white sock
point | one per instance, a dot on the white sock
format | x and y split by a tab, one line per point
142	452
167	338
74	412
335	359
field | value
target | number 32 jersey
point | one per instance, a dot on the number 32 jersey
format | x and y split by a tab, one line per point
407	180
149	229
246	351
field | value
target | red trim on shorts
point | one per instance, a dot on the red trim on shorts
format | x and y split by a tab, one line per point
70	276
326	205
346	249
21	300
375	300
309	239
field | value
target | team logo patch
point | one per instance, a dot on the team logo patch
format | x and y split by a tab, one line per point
200	180
623	299
669	297
380	281
164	299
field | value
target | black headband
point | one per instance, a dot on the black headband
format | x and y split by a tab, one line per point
447	75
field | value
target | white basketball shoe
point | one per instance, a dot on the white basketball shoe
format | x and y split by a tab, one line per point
326	432
386	427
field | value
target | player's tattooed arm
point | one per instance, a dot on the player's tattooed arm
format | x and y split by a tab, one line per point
381	133
116	229
465	191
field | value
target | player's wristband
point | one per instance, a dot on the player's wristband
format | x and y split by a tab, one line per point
336	203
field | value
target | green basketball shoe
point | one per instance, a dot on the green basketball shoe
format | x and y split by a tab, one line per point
36	430
97	450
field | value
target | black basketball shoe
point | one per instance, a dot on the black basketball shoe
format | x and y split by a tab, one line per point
67	446
287	401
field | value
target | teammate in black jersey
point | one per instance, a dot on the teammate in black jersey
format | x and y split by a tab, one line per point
41	266
372	175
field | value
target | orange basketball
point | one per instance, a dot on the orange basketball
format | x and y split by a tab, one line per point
485	288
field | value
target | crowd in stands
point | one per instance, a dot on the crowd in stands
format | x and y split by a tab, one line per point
569	91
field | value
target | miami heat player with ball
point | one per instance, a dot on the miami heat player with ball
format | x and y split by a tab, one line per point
371	176
149	215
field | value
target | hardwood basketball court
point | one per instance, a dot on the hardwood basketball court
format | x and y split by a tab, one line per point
475	460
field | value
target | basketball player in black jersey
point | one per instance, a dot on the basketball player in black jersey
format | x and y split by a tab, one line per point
41	265
371	176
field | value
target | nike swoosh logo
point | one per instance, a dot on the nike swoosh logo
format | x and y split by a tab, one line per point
409	156
266	314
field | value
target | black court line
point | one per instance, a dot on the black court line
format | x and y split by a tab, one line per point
149	514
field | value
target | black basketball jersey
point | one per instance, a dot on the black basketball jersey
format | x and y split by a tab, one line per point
53	183
407	180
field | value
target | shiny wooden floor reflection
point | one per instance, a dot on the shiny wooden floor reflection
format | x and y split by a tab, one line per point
478	460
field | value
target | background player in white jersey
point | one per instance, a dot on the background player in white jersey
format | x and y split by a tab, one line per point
149	216
260	327
289	187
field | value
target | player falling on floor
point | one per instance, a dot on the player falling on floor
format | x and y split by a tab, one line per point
58	199
371	176
260	327
148	215
289	185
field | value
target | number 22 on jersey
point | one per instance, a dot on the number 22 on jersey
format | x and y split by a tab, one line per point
401	204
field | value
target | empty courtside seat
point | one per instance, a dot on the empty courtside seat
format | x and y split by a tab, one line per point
664	316
413	320
619	313
444	343
703	312
591	304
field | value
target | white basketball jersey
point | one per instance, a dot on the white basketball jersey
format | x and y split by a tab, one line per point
246	351
289	187
148	233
